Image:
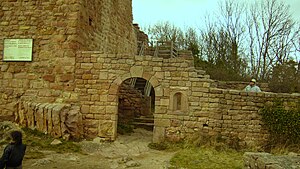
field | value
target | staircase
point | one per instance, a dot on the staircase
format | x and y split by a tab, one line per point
142	85
165	49
146	122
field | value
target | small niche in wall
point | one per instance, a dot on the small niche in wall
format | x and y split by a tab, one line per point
178	102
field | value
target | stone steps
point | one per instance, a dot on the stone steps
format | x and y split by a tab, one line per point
140	85
144	122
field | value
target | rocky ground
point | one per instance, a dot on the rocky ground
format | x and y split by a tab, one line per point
128	151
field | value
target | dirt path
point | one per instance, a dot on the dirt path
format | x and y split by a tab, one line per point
126	152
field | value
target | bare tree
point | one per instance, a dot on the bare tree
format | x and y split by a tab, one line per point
184	39
271	36
222	42
165	31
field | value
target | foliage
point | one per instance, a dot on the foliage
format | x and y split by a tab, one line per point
285	78
283	125
220	71
217	53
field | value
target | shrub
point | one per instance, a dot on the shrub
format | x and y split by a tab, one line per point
283	125
285	78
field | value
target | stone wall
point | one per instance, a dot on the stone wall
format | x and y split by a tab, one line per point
50	25
232	115
186	102
98	78
203	109
106	25
58	29
266	160
240	85
58	120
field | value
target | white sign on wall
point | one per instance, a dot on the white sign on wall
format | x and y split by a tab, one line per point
17	50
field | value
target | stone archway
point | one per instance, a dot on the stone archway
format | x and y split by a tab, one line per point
136	99
135	72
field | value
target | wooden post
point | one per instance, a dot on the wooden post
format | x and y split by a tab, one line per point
171	49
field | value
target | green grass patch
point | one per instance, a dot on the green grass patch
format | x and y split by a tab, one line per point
207	158
34	154
211	155
158	146
37	140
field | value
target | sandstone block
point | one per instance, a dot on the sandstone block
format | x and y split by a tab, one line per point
162	122
106	128
49	78
87	76
97	109
85	109
66	77
111	109
159	134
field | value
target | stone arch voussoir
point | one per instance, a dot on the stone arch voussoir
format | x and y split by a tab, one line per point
136	71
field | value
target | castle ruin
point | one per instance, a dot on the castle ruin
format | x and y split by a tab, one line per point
83	51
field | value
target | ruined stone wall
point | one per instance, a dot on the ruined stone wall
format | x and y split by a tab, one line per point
106	25
231	115
52	26
57	120
58	29
100	76
185	101
203	110
240	85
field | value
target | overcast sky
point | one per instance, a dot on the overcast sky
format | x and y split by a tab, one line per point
184	13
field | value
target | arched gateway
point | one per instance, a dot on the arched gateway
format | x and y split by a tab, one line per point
61	85
135	72
170	78
186	102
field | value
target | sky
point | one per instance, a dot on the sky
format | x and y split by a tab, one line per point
184	13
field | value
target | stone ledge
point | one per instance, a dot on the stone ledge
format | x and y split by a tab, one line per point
58	120
266	160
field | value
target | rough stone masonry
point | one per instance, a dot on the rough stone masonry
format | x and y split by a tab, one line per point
82	52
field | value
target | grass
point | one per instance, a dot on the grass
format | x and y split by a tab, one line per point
213	153
37	141
34	154
204	153
159	146
282	149
207	158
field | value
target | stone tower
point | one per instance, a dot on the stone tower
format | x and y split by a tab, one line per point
59	30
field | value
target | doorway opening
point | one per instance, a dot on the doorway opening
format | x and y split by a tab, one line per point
136	105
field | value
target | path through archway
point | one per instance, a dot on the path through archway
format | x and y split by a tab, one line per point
136	105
